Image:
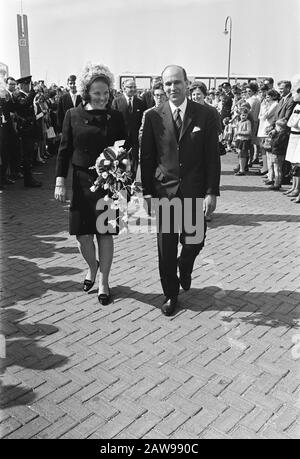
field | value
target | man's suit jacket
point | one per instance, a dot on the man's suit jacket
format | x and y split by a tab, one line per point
148	99
191	164
132	120
285	108
226	106
64	104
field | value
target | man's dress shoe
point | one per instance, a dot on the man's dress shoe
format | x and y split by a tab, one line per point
169	306
185	280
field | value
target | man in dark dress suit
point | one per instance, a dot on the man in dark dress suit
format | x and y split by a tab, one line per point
132	109
11	154
179	159
284	110
227	98
69	100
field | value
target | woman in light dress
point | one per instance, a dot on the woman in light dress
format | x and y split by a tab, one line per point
293	150
266	120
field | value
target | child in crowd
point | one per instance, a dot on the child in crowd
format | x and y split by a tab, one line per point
243	140
227	133
279	139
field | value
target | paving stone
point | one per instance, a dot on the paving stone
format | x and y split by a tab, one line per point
225	366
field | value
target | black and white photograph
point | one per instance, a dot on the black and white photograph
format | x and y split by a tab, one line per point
149	222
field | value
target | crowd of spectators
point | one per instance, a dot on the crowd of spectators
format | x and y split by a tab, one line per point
256	121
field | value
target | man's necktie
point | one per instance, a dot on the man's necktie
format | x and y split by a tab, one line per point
178	121
130	105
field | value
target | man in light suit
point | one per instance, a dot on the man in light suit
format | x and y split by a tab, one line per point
179	159
69	100
132	109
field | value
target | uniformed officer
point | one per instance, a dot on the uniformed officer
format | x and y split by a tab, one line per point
26	126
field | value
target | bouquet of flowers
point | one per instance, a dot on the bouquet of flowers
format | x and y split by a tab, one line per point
113	167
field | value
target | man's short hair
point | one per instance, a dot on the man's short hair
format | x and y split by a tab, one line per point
226	84
10	78
158	86
155	77
72	78
270	80
128	80
286	83
178	66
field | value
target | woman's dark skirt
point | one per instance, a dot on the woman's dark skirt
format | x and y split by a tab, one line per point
83	212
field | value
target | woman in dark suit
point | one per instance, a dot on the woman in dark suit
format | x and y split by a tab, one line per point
87	130
198	92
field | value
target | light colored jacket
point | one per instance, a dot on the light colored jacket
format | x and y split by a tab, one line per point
267	116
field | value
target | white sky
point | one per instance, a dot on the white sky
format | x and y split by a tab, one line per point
143	36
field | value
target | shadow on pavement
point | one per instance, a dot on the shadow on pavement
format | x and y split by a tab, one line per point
222	219
33	249
22	350
278	309
243	188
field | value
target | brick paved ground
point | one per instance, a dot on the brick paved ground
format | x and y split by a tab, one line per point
227	364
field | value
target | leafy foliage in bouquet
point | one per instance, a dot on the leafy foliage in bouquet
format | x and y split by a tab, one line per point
113	167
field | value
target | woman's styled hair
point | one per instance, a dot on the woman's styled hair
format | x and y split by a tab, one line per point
253	87
199	85
89	75
273	94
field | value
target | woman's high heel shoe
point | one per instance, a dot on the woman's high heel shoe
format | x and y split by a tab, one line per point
104	299
88	284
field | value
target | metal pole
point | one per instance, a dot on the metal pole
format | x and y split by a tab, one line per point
229	56
229	51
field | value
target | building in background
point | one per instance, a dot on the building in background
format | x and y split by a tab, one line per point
143	81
